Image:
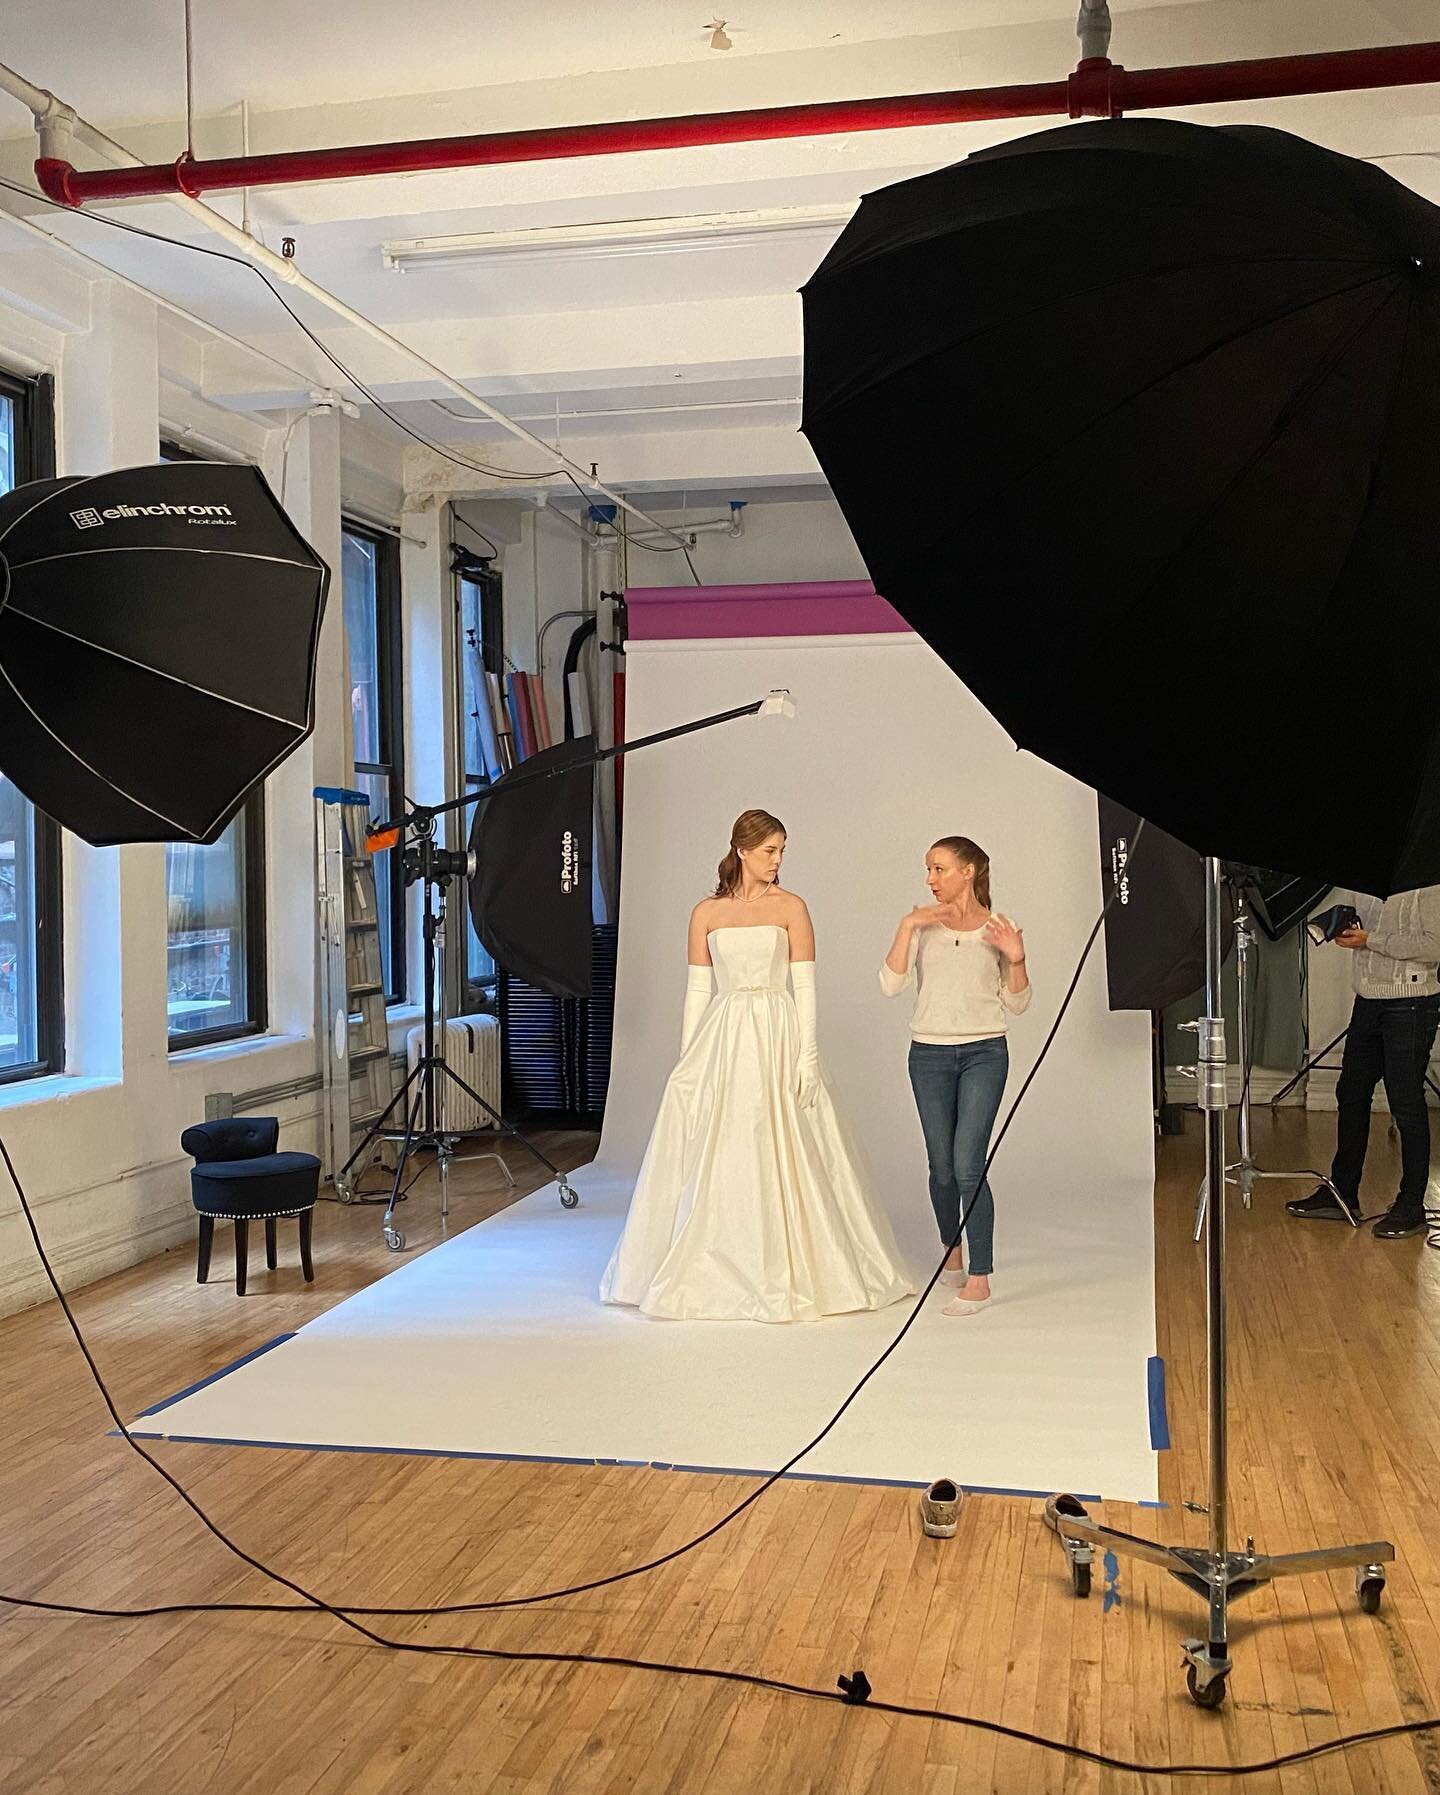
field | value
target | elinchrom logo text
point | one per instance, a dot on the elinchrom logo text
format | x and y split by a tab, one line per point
90	519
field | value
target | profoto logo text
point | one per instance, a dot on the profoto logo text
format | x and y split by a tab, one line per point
91	519
569	862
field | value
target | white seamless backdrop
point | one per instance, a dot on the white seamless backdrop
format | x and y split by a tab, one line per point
887	752
497	1342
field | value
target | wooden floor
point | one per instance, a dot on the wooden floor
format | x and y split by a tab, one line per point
1336	1410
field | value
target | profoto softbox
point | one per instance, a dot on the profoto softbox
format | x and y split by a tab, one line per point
530	894
1155	930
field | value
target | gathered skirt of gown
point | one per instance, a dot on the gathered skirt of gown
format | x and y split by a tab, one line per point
748	1207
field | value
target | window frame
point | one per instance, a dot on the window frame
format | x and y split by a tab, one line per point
33	401
257	980
389	683
485	576
253	893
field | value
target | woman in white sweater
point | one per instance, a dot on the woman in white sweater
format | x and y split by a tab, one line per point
969	966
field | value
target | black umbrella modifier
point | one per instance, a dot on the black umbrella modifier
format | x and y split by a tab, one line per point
158	632
530	896
1138	424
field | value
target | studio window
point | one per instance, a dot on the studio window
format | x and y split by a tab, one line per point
215	981
370	563
31	965
481	623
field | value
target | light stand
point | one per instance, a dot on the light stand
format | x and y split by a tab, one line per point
1214	1572
433	868
423	861
1244	1172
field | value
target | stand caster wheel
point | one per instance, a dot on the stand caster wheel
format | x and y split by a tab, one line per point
1080	1579
344	1190
394	1239
1205	1695
1369	1587
569	1198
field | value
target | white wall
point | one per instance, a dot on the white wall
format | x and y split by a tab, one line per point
98	1147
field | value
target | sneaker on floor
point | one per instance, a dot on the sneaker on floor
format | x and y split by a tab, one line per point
940	1508
1399	1224
1323	1206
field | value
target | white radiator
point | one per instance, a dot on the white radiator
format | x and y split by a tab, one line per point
472	1050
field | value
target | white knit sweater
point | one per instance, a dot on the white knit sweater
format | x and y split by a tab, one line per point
964	988
1402	956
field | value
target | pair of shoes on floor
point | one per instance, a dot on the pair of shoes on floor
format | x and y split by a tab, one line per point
1323	1206
940	1508
1400	1224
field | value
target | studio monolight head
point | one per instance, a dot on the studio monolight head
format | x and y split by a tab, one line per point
422	859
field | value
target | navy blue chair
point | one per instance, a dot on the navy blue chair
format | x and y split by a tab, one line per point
240	1177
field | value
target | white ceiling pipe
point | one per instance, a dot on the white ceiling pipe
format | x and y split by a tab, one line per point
56	122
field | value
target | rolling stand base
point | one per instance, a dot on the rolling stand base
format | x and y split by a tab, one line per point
1207	1668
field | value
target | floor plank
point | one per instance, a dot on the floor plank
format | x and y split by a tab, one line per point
1335	1391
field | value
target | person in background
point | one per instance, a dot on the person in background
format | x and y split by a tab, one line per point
969	966
1396	971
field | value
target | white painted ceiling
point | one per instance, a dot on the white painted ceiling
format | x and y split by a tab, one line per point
125	61
628	347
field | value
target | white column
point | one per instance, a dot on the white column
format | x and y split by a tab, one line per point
311	484
115	934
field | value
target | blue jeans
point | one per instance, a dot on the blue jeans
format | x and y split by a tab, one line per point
1389	1038
957	1092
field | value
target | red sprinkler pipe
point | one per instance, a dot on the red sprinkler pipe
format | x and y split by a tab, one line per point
1098	88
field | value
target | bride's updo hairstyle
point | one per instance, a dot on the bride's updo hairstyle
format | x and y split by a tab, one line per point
751	827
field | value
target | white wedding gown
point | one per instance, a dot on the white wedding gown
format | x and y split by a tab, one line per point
748	1207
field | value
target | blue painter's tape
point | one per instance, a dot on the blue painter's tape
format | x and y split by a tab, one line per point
540	1458
1159	1421
215	1376
1112	1582
338	794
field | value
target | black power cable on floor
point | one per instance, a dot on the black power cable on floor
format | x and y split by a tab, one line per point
853	1690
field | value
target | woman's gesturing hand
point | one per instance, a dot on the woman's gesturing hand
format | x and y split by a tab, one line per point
1005	938
930	916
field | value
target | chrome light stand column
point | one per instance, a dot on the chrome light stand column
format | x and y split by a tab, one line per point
1244	1172
1214	1572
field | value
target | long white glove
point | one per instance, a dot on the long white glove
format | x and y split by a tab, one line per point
697	1001
802	979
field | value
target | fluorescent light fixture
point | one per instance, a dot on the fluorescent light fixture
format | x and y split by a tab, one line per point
614	237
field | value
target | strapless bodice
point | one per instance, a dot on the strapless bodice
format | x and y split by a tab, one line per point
756	958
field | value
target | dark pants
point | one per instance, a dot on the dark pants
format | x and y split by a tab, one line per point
957	1092
1388	1038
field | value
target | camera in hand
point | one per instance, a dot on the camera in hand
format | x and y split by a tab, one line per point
1332	922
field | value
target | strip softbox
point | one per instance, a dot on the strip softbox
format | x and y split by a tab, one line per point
1155	929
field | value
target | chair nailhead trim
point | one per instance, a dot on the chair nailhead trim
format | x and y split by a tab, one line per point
271	1215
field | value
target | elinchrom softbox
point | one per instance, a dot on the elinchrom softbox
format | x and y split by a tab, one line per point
1155	929
530	893
158	634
